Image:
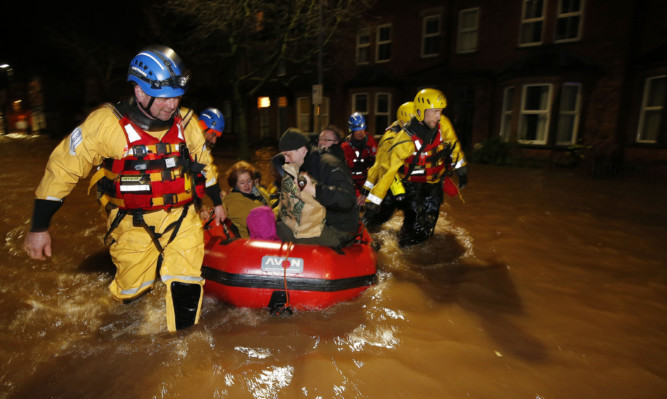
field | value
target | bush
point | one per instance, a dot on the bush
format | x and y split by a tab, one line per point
494	151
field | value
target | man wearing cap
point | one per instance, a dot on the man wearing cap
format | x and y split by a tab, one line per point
327	180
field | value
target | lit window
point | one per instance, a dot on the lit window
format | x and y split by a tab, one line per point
506	118
653	105
532	22
569	20
382	111
431	36
468	27
363	46
568	114
263	102
383	50
534	118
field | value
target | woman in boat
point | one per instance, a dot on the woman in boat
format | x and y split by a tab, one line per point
244	197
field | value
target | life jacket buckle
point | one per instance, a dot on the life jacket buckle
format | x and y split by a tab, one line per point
139	151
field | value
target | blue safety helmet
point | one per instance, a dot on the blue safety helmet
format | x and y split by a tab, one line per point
159	72
356	122
211	119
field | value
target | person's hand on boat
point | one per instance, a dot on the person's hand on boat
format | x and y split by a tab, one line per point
38	244
219	215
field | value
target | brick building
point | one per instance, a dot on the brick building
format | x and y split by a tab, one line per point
544	75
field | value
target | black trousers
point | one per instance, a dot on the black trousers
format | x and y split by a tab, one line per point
421	211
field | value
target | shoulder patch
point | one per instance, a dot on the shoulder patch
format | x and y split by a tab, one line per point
75	138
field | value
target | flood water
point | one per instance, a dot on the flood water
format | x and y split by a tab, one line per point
542	284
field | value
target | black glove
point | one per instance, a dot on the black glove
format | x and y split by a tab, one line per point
370	213
462	173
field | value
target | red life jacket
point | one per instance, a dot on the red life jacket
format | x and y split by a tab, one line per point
432	162
360	160
154	174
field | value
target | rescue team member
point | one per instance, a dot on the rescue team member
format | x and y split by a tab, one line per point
151	168
396	191
359	149
212	123
422	152
327	180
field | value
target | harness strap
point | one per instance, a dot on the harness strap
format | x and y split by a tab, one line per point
138	221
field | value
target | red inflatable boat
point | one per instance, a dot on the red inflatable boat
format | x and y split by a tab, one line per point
282	276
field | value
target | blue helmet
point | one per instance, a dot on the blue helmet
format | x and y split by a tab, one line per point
356	122
211	119
159	72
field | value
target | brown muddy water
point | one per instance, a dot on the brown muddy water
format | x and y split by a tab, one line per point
542	285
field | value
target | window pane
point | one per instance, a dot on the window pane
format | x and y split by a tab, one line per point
536	98
656	94
533	128
533	9
384	52
651	126
468	41
531	32
568	101
432	26
570	6
565	129
361	103
383	103
384	34
469	19
507	99
431	45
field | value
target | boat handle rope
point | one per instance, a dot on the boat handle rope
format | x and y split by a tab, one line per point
287	307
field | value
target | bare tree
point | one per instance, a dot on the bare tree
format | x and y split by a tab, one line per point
247	41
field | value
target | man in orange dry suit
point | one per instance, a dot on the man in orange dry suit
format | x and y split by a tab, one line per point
423	151
151	168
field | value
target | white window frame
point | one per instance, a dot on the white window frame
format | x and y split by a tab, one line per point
544	113
569	15
531	21
465	31
379	43
431	35
574	113
506	114
379	113
363	47
659	109
303	114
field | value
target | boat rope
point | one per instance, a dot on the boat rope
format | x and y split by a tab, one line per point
286	264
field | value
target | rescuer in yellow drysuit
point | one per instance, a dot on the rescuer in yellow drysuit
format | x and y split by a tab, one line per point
421	153
151	169
396	192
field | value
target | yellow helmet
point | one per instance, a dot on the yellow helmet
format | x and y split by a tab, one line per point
405	112
428	99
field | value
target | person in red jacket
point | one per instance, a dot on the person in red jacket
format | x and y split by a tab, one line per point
360	149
